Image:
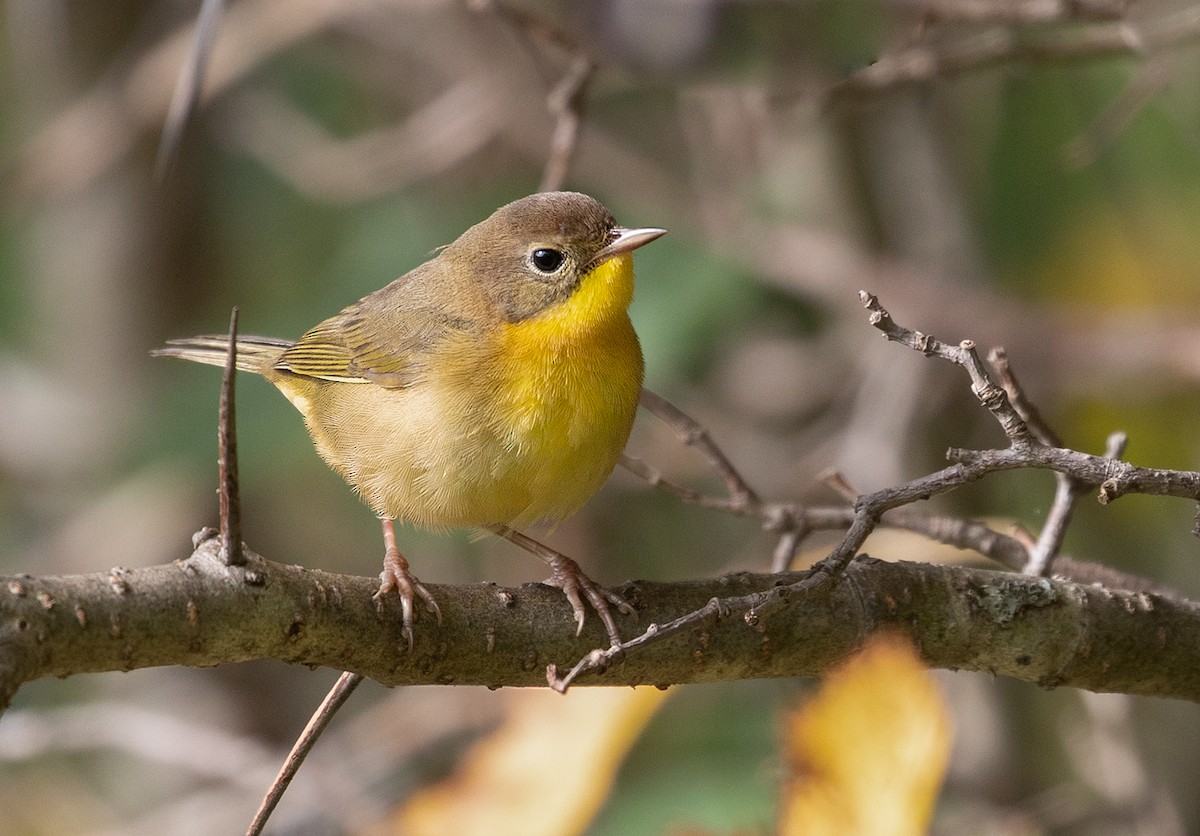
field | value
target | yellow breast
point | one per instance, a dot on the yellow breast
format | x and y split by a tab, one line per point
567	393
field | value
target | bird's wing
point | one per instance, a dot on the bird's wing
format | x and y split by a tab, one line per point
340	349
386	339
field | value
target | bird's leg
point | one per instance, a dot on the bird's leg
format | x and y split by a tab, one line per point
567	576
395	575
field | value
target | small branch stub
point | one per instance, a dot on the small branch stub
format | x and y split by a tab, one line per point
230	501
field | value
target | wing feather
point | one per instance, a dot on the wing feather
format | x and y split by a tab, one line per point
385	338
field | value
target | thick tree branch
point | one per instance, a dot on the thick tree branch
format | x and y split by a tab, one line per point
200	612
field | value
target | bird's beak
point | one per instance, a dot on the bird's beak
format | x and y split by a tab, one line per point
626	240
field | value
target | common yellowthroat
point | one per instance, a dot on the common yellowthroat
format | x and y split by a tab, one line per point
493	386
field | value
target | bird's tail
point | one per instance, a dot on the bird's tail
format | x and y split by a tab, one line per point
254	354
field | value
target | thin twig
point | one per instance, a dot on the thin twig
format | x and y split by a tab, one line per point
1015	11
334	700
531	24
1066	491
1115	478
1003	44
566	98
785	548
837	482
1029	413
751	607
796	523
188	85
227	465
655	478
1054	530
566	103
741	495
963	354
1147	83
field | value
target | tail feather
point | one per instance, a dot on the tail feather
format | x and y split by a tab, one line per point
254	354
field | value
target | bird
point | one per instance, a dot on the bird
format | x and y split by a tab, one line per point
492	387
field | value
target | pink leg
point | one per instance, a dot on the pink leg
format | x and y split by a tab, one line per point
567	576
395	575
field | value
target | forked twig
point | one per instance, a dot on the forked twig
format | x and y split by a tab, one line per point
740	500
1067	490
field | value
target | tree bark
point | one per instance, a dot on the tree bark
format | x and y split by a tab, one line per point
199	612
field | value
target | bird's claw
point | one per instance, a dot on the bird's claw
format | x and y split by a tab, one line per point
396	577
567	576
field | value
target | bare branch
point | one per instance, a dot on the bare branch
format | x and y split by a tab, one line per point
1015	11
1077	471
796	522
565	100
1003	44
1025	407
1067	490
200	612
1114	478
963	354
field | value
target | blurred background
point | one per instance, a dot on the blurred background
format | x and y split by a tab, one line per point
1020	173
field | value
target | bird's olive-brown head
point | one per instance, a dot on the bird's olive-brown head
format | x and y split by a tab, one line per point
536	252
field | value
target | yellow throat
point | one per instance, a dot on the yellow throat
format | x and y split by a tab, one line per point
569	389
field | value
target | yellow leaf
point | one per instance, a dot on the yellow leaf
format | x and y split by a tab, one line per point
546	770
868	753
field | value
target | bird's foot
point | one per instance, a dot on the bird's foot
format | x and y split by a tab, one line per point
396	577
567	576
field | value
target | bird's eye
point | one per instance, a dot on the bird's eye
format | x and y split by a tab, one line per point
546	260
